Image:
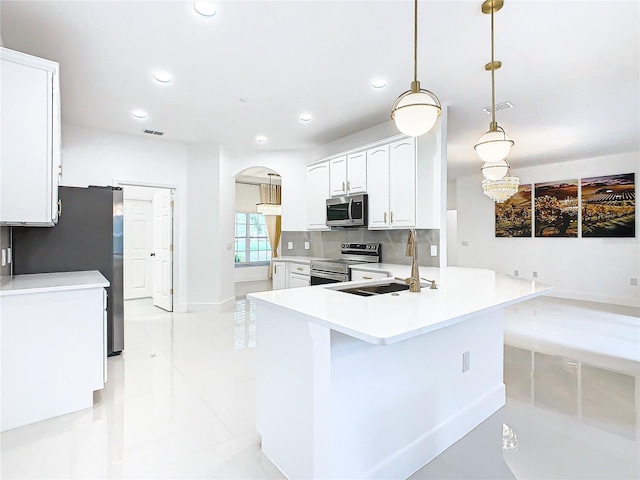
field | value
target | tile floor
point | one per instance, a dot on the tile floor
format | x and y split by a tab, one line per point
179	403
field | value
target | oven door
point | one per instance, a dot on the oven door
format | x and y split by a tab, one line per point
322	278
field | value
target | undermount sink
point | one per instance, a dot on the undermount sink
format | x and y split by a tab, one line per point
370	290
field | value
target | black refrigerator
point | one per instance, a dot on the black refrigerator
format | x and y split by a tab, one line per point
88	236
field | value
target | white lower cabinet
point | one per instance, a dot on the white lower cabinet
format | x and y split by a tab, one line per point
298	275
279	275
53	353
364	275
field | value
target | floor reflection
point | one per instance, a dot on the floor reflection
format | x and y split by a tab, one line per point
179	403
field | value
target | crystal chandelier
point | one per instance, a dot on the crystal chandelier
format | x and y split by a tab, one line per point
509	438
502	189
416	111
271	207
494	145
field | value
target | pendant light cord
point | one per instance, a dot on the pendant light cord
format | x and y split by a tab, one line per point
493	82
415	42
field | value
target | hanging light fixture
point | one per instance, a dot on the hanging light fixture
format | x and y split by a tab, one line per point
270	208
501	189
416	111
494	145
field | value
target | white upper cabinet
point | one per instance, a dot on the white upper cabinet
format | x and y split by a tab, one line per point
29	140
317	194
348	174
402	183
378	186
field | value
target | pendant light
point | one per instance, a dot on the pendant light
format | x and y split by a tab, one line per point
416	111
270	208
494	145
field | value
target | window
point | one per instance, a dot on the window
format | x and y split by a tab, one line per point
252	242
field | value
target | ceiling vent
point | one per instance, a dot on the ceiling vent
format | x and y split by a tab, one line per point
153	132
499	106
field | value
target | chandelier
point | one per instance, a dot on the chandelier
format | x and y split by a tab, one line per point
502	189
270	208
416	111
494	145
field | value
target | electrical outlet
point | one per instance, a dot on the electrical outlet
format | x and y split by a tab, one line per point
290	245
306	245
466	361
535	274
434	250
465	243
633	281
516	273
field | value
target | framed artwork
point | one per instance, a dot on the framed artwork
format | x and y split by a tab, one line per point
609	206
556	209
513	216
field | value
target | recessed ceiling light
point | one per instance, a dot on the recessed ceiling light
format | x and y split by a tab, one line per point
305	117
379	83
162	77
261	139
205	8
139	114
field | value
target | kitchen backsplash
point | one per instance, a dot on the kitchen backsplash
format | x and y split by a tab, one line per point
393	244
5	244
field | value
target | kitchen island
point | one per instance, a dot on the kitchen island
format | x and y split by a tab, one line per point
376	387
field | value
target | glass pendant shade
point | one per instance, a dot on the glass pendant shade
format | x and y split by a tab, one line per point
500	190
494	146
495	170
415	113
269	209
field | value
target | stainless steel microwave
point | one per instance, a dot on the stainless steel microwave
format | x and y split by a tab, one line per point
348	211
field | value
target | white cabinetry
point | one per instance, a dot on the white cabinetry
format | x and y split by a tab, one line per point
29	140
378	186
317	194
53	351
279	275
348	174
298	275
365	275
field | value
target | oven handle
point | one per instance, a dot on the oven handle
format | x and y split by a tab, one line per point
338	277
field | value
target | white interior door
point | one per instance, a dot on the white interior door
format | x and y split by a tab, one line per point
163	250
138	245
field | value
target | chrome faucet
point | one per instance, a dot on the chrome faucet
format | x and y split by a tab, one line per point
412	251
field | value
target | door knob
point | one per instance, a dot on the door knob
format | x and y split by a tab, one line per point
153	254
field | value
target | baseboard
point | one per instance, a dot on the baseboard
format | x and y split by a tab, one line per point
591	297
213	307
416	455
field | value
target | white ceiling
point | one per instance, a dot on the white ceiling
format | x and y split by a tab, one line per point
571	68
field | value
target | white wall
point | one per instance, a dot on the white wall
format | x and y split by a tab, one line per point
97	157
247	197
593	269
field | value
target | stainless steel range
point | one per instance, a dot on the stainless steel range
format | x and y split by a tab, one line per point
337	270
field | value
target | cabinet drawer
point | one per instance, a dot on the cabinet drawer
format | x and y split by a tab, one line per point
364	275
301	268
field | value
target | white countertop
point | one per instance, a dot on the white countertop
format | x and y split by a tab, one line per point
297	259
51	282
384	319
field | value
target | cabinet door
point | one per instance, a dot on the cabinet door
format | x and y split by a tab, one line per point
357	173
402	183
279	275
338	176
317	194
364	275
378	186
27	177
297	280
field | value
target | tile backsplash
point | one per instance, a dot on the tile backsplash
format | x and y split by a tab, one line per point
393	244
5	244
